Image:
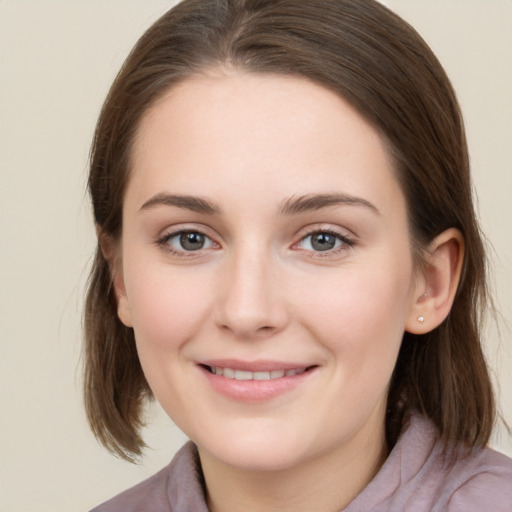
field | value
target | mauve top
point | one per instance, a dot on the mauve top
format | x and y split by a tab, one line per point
415	478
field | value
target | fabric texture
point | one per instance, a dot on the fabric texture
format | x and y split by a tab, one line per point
416	477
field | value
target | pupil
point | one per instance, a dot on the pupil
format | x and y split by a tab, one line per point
323	241
192	241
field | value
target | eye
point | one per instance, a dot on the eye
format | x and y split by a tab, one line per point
323	241
187	241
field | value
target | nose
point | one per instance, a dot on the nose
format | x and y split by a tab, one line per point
252	303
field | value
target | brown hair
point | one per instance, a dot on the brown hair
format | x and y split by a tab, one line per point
377	62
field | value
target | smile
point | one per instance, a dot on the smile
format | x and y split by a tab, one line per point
231	373
256	381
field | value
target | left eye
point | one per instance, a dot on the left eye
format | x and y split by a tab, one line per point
189	241
321	241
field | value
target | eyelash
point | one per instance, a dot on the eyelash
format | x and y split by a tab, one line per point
346	242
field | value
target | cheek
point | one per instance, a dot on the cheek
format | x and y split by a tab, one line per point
359	319
360	310
168	310
167	307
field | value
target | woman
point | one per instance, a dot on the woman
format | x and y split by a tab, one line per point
289	261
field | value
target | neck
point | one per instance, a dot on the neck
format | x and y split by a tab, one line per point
328	482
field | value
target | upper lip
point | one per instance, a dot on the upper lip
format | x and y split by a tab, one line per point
255	366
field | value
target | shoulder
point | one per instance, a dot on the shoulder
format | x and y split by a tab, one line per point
419	475
150	492
484	483
175	488
455	480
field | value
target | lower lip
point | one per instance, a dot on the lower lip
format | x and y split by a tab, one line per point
254	390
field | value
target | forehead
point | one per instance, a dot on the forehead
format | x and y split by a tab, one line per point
225	99
265	133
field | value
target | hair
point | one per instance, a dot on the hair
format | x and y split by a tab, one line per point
378	63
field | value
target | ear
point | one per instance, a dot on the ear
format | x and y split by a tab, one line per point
437	285
111	252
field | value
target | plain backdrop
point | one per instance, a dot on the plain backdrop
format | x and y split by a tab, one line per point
57	60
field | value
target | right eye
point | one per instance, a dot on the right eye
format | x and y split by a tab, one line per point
186	241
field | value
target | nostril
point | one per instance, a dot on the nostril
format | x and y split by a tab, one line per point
246	330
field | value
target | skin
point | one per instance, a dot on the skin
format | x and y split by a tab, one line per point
259	290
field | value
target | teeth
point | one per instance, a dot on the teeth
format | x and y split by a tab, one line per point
243	375
229	373
261	375
247	375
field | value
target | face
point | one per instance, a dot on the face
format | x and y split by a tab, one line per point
265	268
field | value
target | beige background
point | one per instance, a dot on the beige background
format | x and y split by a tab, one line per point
57	60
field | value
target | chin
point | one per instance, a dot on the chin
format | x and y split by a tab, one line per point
260	451
255	459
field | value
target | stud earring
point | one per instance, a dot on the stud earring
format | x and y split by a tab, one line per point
421	319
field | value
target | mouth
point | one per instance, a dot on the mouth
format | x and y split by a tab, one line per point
243	375
256	381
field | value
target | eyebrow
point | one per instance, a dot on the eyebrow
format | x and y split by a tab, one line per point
312	202
192	203
292	206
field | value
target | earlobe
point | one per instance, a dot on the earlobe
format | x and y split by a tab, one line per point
438	285
123	309
111	254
